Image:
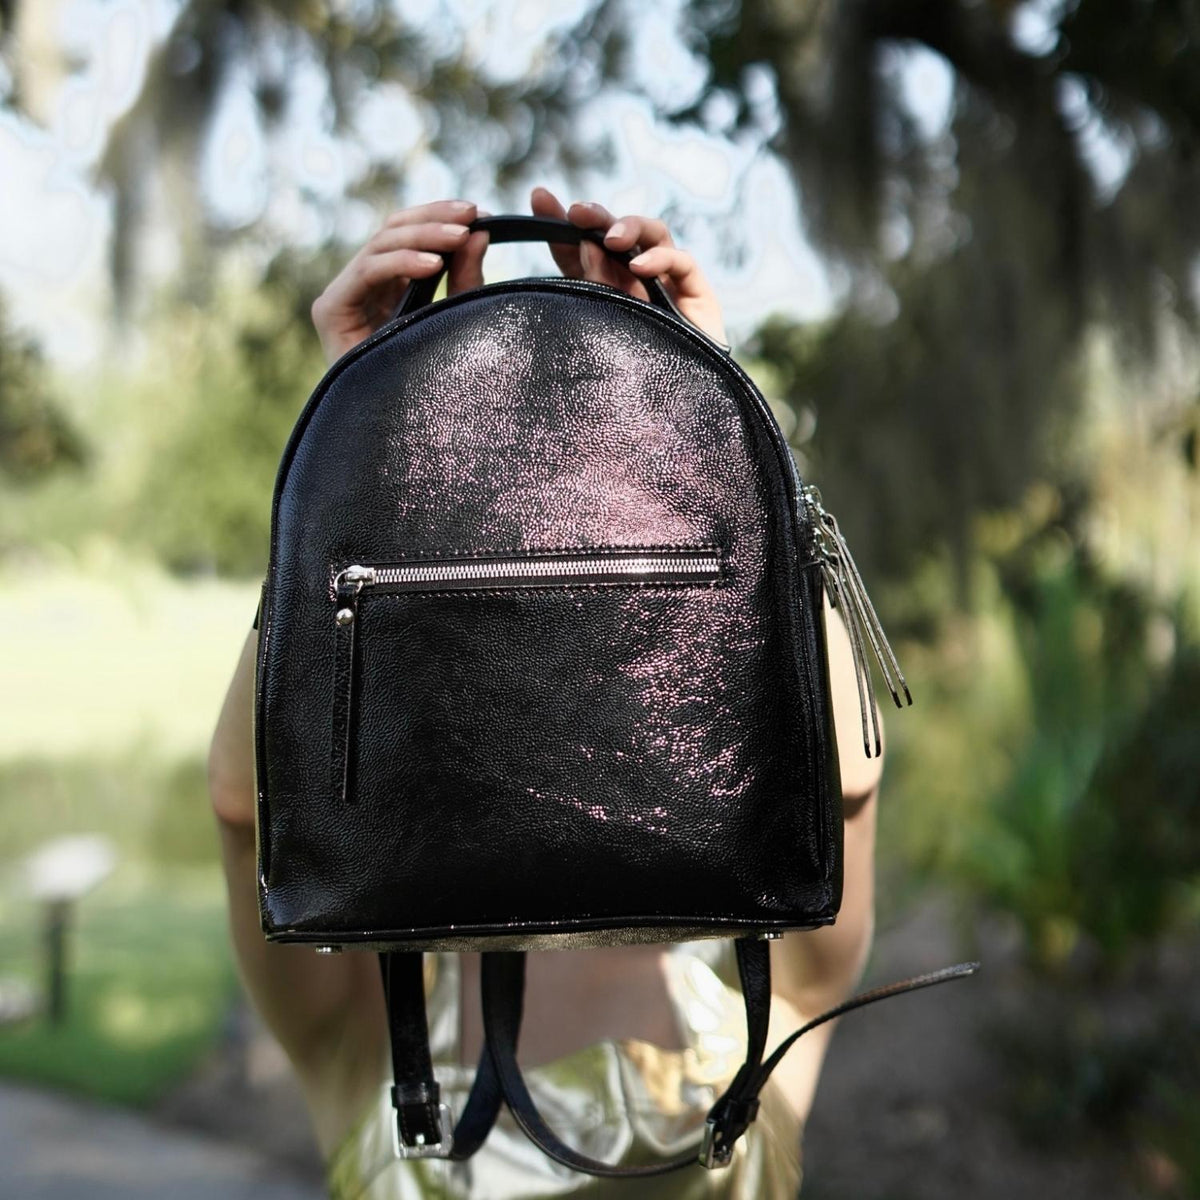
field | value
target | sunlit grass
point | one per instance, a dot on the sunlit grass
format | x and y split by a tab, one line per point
102	656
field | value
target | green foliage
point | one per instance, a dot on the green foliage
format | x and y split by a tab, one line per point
35	435
205	501
180	829
150	971
1092	837
1138	853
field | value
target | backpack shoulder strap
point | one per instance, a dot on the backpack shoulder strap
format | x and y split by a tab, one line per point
422	1128
729	1118
423	1123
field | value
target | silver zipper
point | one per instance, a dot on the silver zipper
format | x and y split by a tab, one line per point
848	593
569	567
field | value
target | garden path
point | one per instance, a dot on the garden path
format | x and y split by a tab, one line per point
54	1147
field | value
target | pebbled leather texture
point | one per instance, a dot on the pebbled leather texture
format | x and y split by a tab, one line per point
529	761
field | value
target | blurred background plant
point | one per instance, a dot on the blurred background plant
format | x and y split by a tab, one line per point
990	207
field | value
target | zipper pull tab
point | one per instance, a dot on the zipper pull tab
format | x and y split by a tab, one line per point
346	588
848	592
835	584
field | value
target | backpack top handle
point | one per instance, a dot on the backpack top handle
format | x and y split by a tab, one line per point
514	228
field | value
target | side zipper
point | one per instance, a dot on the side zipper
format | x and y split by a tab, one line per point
349	584
544	569
848	593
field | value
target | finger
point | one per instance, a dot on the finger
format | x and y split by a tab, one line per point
600	268
460	211
590	215
544	203
686	284
375	269
466	267
677	265
429	235
381	302
597	265
642	232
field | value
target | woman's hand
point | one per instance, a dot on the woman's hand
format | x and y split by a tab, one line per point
364	294
412	242
659	256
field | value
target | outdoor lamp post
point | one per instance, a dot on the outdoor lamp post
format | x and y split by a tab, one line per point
59	873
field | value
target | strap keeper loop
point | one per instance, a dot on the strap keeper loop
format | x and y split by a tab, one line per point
423	1128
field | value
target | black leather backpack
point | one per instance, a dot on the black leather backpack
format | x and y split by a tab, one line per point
542	663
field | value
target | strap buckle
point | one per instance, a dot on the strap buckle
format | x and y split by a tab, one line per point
712	1156
422	1148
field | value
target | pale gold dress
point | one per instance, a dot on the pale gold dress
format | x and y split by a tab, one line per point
621	1101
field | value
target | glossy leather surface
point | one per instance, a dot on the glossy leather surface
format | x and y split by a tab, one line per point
544	759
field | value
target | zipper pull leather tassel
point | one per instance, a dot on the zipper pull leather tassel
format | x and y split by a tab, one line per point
345	619
848	592
831	569
869	618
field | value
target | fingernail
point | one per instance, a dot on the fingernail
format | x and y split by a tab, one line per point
428	260
639	261
461	205
454	230
616	230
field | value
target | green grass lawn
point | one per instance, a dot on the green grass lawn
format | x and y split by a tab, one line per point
150	980
112	684
114	654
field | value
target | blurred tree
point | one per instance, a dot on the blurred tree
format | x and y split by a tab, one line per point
973	253
1142	824
1059	195
469	115
35	436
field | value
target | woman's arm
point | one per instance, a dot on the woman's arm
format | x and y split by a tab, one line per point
815	970
326	1011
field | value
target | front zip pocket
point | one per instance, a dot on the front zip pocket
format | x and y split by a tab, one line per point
561	569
